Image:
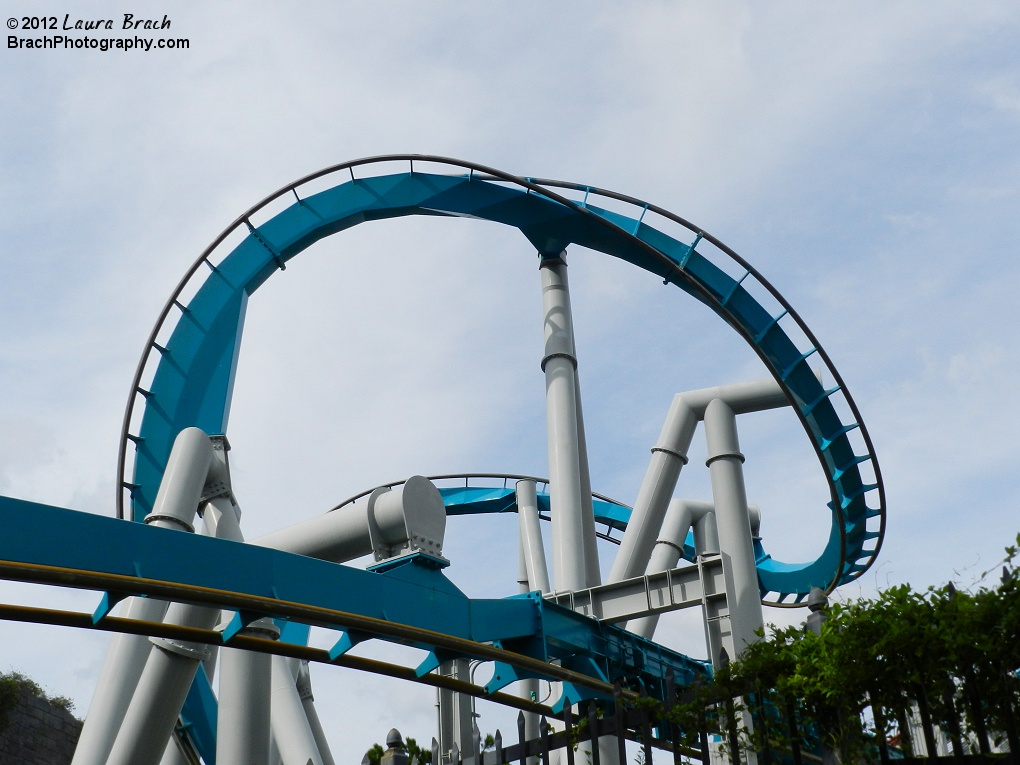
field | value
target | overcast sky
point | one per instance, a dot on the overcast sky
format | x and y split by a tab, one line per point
864	157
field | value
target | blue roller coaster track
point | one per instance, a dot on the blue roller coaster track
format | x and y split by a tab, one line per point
186	374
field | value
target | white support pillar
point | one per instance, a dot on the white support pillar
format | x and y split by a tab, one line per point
244	687
303	682
172	755
294	738
570	568
591	550
169	670
536	570
725	464
455	719
669	455
175	507
162	688
243	711
527	505
389	522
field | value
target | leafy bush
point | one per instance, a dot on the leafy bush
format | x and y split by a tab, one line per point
953	655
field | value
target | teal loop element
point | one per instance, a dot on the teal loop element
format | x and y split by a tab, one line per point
194	376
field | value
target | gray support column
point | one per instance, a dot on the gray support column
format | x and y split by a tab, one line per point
303	682
171	666
390	522
536	570
570	569
725	464
455	721
743	600
243	719
274	751
527	505
591	550
669	455
665	555
175	507
244	688
291	732
172	755
162	688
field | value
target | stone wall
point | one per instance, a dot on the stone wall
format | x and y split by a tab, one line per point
38	733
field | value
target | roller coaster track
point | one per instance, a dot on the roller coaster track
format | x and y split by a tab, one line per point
185	376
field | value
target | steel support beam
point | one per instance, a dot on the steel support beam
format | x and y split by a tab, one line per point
175	508
725	464
669	455
657	593
570	529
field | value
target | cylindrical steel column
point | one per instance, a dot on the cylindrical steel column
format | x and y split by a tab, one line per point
669	455
527	504
725	464
591	550
242	726
570	570
293	736
385	521
162	688
303	682
682	516
530	526
172	755
171	664
242	722
175	507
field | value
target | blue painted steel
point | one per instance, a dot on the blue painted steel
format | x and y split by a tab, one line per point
474	500
199	716
192	384
51	536
415	593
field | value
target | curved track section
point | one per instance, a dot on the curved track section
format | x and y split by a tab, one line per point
196	340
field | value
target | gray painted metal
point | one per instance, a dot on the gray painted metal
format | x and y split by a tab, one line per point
593	573
173	755
454	710
657	593
682	515
536	570
175	507
669	455
393	521
243	709
164	684
291	731
725	464
171	665
529	688
303	681
570	569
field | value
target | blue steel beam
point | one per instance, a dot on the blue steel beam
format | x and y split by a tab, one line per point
412	593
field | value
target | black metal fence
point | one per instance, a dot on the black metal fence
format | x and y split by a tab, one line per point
784	737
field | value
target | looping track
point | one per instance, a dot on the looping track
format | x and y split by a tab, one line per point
185	376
